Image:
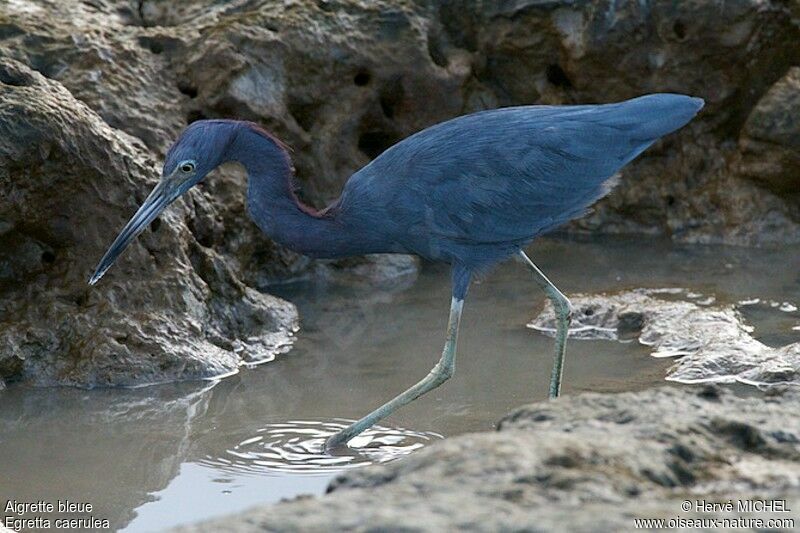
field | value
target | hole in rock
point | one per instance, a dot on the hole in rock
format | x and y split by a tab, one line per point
194	115
391	97
435	51
156	47
303	113
679	28
373	143
556	76
187	89
361	78
16	79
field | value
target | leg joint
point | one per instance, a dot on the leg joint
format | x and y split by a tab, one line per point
442	372
447	371
563	307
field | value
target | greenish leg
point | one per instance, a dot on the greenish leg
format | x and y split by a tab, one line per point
440	373
563	311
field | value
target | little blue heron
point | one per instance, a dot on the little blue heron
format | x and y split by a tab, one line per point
469	192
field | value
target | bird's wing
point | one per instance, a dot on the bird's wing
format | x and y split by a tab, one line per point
508	190
507	175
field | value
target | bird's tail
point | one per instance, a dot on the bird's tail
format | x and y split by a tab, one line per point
628	129
650	117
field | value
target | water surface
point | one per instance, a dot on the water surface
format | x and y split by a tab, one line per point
159	456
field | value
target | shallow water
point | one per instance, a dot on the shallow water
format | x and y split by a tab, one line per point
165	455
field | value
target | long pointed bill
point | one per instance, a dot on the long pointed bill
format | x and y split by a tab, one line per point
152	206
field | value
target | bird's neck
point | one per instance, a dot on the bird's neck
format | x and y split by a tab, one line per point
275	208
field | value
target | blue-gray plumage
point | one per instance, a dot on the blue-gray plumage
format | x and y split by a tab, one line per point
469	192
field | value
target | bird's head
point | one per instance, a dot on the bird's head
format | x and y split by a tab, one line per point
199	150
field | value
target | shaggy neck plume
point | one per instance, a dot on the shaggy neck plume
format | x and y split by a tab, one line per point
275	208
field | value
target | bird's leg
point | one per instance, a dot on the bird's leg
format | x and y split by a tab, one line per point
439	374
563	311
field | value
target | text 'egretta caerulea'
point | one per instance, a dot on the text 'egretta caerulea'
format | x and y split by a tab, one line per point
469	192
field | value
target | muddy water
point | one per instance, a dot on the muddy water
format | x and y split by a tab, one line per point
160	456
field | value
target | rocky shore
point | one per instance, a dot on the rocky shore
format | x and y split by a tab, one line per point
175	311
590	462
710	342
92	93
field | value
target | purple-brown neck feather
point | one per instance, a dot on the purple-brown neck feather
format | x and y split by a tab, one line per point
274	205
292	187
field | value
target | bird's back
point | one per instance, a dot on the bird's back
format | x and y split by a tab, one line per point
477	187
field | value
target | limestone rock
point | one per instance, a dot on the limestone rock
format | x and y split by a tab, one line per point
592	462
710	342
172	311
770	140
339	81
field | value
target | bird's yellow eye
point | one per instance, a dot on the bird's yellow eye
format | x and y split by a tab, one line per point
187	167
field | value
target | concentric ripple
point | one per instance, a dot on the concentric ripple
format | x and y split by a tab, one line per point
297	447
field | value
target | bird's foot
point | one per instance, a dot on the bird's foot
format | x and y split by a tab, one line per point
337	441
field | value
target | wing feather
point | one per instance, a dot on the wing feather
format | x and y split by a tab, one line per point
508	175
